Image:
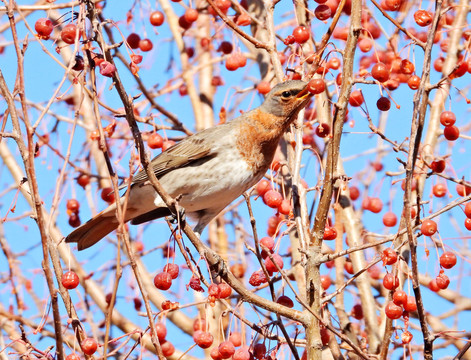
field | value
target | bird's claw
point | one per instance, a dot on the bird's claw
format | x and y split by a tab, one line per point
179	217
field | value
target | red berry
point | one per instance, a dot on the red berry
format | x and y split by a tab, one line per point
357	311
107	195
301	34
68	34
325	281
156	18
323	12
163	281
389	256
447	118
89	346
323	130
262	187
217	81
232	62
272	198
393	311
448	260
222	5
73	205
161	331
167	348
439	190
258	278
285	301
442	280
374	272
263	87
406	337
354	193
316	86
259	350
365	45
467	209
451	133
390	281
423	18
203	339
226	349
137	303
414	82
213	290
133	40
383	103
389	219
83	180
172	269
191	15
185	25
348	266
375	205
242	354
467	224
243	19
226	47
432	285
70	280
428	227
242	60
380	72
167	144
289	40
74	220
407	67
356	98
73	357
155	141
107	69
400	297
44	27
285	207
79	64
199	324
268	242
460	71
438	64
145	45
463	190
270	265
195	284
438	166
410	305
224	290
183	90
330	233
235	338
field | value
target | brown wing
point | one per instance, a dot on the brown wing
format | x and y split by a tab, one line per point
195	147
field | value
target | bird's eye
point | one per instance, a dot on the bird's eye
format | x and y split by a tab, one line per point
286	94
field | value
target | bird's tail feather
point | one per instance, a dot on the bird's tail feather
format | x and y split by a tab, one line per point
94	229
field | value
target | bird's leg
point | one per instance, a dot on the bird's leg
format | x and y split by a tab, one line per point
179	217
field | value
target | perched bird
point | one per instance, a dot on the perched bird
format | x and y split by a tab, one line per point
209	169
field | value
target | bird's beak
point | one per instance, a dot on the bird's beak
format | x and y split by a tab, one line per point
303	94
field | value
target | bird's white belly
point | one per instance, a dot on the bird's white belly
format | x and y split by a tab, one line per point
210	185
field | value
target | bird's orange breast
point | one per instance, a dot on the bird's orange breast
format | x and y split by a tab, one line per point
258	139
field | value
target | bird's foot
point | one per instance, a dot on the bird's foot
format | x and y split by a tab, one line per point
179	217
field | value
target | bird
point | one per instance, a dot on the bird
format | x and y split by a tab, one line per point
208	170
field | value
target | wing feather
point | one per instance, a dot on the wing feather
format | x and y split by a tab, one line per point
195	147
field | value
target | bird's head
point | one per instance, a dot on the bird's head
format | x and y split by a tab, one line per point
287	98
